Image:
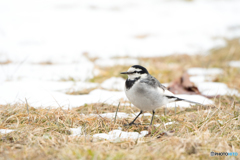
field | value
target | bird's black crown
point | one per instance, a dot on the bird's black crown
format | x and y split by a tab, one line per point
143	70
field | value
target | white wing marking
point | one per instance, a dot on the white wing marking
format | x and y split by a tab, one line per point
165	92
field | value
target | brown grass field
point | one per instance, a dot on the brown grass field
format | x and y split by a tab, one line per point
45	133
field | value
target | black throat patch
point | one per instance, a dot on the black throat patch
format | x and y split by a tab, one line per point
129	83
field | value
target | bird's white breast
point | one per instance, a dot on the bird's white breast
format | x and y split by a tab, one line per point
145	97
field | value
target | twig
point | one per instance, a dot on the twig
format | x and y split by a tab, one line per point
59	105
175	109
116	113
85	132
27	109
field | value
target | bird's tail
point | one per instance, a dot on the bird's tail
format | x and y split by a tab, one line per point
180	99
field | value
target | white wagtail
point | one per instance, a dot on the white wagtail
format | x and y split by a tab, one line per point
146	92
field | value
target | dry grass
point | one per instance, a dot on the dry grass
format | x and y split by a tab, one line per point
45	133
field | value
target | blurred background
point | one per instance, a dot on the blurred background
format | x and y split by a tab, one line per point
49	41
58	31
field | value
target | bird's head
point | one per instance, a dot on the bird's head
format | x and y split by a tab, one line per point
136	71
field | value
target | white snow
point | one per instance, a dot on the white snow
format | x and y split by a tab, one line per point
75	71
112	135
40	95
144	114
115	134
76	131
114	83
204	71
74	86
215	88
47	30
109	97
234	64
5	131
199	75
202	78
110	62
168	123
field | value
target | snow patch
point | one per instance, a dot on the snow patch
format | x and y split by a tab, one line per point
204	71
201	78
215	88
118	134
6	131
39	95
114	83
134	27
145	114
76	131
25	71
110	62
234	64
168	123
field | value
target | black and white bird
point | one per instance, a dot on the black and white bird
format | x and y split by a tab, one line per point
146	92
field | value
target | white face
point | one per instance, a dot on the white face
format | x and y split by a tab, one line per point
135	75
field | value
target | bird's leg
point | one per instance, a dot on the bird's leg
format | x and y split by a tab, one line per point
152	117
136	118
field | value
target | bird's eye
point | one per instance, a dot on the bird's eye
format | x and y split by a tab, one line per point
139	72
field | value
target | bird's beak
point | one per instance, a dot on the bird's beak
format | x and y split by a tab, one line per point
124	72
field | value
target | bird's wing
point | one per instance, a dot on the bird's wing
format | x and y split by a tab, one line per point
153	82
